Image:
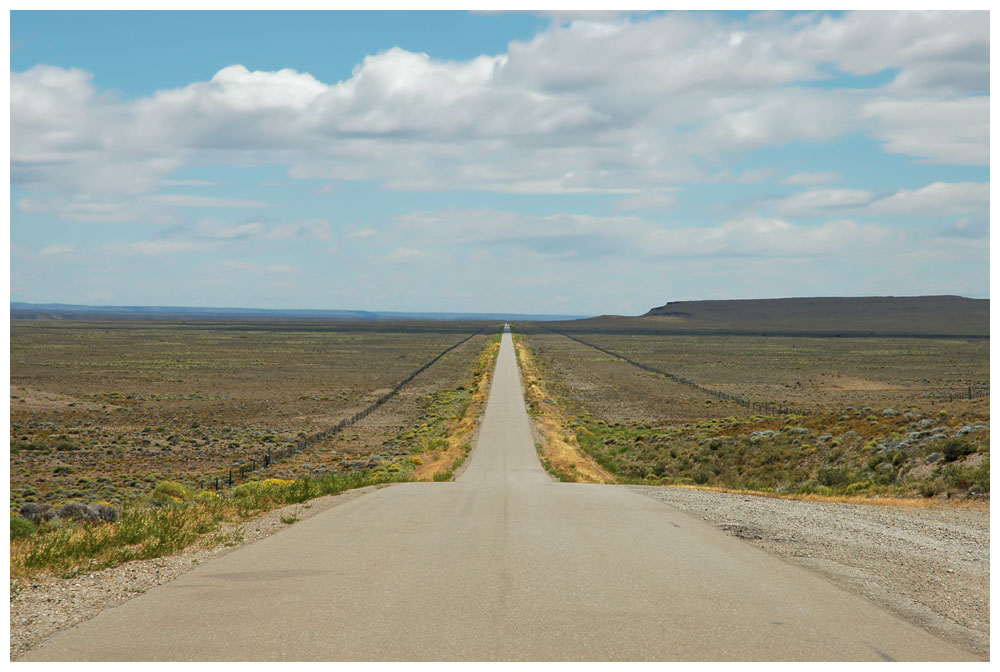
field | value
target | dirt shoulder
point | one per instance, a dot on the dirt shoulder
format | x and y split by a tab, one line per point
930	566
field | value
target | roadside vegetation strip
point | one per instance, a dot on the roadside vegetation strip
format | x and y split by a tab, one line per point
762	408
445	440
180	518
268	458
825	455
558	451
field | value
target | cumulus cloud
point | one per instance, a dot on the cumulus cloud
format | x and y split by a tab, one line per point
946	51
617	105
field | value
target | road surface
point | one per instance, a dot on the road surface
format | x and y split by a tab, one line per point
503	564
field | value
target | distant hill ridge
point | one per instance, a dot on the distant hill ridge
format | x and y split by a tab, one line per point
61	311
876	314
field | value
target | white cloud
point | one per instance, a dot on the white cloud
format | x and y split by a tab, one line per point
822	200
946	51
189	183
939	198
626	107
574	236
759	236
406	255
812	178
163	247
57	249
188	201
939	131
316	229
83	208
605	106
311	229
650	201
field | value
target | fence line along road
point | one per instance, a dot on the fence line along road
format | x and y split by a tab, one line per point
271	456
760	407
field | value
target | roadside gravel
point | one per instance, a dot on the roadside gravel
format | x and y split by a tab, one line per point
930	566
42	607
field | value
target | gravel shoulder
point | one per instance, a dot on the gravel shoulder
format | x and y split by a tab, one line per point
43	607
930	566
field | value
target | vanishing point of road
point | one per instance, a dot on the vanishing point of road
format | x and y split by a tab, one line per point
502	564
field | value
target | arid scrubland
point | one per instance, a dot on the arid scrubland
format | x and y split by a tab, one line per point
120	430
872	416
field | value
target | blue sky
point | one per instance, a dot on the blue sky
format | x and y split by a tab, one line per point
532	163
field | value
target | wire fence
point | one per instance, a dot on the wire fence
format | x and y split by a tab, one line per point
966	393
758	407
761	407
266	460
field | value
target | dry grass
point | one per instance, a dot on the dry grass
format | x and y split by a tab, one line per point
102	411
446	455
559	450
876	424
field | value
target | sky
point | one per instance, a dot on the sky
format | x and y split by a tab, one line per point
561	163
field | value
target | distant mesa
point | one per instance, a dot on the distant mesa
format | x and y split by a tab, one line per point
874	314
922	316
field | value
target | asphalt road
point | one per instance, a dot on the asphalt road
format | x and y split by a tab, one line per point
503	564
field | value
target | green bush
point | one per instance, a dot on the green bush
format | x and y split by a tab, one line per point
831	477
170	492
21	528
972	479
956	448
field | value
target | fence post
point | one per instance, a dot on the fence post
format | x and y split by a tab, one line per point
230	475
